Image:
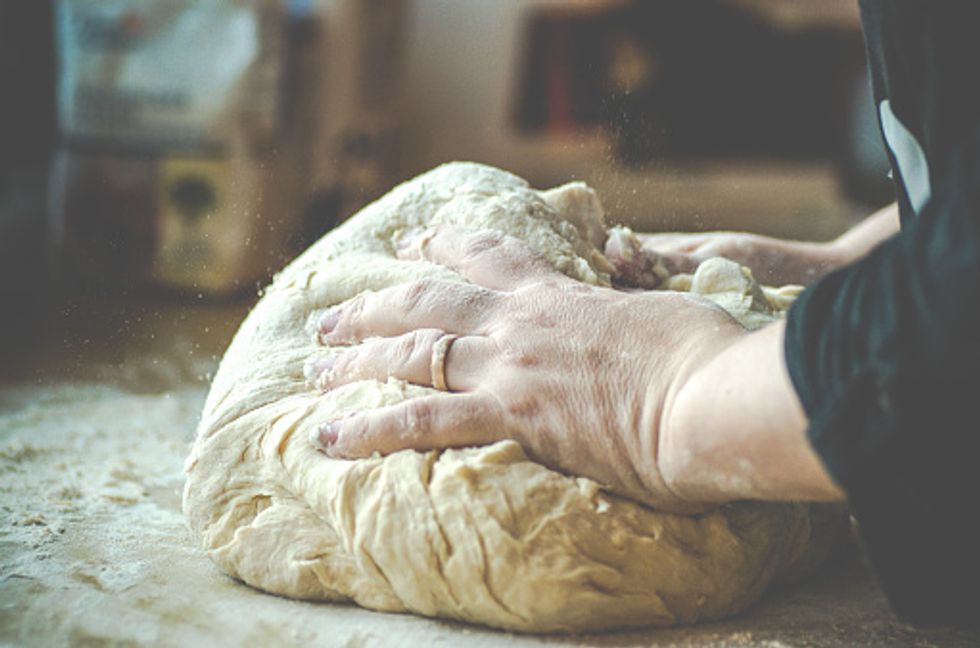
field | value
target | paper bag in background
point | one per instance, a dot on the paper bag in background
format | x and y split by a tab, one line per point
203	143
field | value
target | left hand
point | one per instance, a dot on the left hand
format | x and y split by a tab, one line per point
581	376
773	261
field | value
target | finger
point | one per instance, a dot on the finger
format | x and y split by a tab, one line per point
454	307
677	241
635	266
426	423
485	257
407	357
680	262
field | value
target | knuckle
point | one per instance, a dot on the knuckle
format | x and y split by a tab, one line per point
508	328
350	317
521	253
539	288
523	407
414	293
418	417
522	359
550	284
473	301
425	339
346	363
482	242
514	246
463	424
405	348
596	358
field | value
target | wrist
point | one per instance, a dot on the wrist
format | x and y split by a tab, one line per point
678	460
838	252
736	429
817	258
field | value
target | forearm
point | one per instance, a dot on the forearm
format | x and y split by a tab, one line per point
803	262
775	261
736	429
860	239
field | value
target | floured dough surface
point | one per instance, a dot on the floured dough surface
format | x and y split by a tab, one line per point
482	534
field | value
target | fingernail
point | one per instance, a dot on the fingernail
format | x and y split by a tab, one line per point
329	321
317	370
325	435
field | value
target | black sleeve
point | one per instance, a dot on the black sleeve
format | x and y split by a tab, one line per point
885	353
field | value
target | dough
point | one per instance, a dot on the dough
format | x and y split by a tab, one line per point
483	534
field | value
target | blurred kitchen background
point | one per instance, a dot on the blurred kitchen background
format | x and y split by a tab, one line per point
161	159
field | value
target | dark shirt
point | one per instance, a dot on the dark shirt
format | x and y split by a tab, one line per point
885	353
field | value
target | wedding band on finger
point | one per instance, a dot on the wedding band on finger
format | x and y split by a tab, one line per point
437	366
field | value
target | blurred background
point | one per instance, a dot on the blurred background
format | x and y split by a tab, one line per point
160	160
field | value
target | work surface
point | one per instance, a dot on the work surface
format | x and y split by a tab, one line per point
94	427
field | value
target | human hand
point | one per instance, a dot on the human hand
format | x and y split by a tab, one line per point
580	376
642	268
773	261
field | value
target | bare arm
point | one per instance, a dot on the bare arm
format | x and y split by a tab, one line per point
774	261
736	430
860	239
751	441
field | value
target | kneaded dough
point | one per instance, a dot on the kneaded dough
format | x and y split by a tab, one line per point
481	534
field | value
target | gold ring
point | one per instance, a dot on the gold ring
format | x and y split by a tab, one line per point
437	366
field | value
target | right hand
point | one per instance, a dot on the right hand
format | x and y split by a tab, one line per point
581	376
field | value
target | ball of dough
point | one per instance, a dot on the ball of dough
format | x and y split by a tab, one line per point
481	534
